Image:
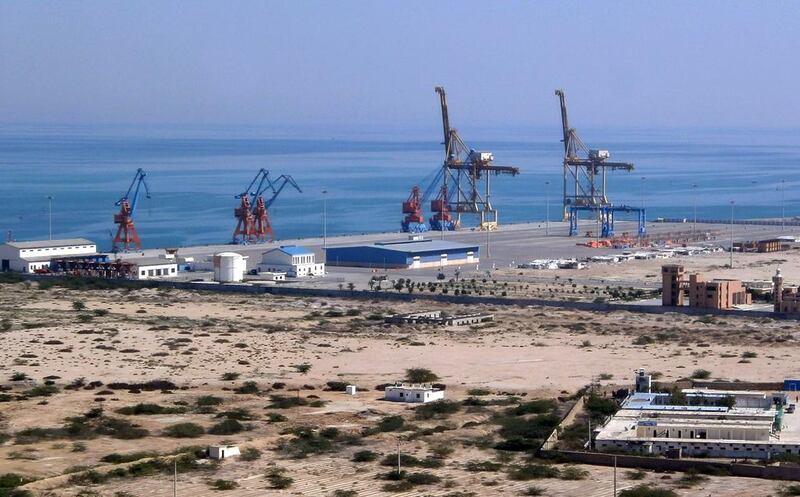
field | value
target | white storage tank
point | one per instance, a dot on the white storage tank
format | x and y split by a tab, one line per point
229	267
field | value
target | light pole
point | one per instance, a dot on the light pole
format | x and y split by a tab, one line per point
731	263
783	204
694	201
324	218
50	216
547	208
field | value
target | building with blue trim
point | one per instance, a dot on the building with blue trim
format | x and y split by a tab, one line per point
410	254
293	260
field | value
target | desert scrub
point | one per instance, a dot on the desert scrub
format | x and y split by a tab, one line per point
573	473
420	375
208	400
250	454
364	456
149	409
647	491
701	374
277	478
306	441
248	388
224	485
533	472
409	461
228	427
480	466
184	430
440	409
390	423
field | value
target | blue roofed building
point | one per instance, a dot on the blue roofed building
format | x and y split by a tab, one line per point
410	254
294	260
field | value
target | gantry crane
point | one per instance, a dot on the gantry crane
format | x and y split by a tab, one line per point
463	169
126	230
253	223
586	181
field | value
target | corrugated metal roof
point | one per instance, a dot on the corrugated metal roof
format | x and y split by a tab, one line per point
150	261
295	250
424	246
66	242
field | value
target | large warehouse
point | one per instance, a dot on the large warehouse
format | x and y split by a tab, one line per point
33	256
411	254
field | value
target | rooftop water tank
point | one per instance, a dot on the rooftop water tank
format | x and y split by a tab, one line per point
229	267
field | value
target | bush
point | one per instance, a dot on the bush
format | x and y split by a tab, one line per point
224	485
115	458
439	409
478	392
184	430
420	375
790	490
149	409
422	478
390	423
364	456
647	491
574	473
277	479
227	427
701	374
534	407
209	400
274	417
230	376
345	493
250	454
286	402
248	388
534	491
336	386
409	461
600	407
479	466
533	472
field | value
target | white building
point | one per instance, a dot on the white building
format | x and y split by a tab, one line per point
229	267
412	392
29	257
148	268
223	451
293	260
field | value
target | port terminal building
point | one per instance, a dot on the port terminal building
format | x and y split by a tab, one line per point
35	256
413	253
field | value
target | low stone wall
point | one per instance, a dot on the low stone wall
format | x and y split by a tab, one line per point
738	385
659	464
576	410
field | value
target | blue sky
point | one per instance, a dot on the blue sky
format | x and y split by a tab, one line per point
335	63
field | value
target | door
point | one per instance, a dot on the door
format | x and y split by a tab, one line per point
5	265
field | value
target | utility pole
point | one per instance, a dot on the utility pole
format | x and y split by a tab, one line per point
488	244
50	216
547	208
175	479
783	204
398	457
731	263
615	476
694	201
325	219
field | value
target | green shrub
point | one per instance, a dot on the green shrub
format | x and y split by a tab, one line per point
701	374
184	430
224	485
420	375
534	407
390	423
345	493
274	417
250	454
790	490
480	466
115	458
398	486
286	402
647	491
533	472
149	409
278	479
533	490
574	473
230	376
247	388
227	427
209	400
422	478
439	409
364	456
478	392
409	461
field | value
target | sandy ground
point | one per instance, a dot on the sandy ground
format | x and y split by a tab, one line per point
193	338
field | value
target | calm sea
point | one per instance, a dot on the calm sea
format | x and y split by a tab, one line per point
194	173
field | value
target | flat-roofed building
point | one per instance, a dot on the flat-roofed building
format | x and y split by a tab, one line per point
35	256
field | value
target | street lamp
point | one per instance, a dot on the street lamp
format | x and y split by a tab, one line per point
324	218
547	208
731	263
50	216
694	201
783	203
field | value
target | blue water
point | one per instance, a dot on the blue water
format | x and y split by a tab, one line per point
194	173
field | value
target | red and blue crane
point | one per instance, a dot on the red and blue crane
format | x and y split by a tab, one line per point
126	230
253	223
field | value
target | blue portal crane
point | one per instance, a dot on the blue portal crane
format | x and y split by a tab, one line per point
252	214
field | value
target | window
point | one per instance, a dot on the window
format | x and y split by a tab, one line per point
144	273
172	270
417	395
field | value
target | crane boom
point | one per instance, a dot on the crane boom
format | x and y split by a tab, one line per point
445	122
564	121
284	180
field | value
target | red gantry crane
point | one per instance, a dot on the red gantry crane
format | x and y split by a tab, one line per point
253	212
126	230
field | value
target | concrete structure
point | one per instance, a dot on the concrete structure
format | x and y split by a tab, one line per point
272	276
437	317
414	393
229	267
33	256
409	254
220	452
350	389
784	299
148	268
713	423
672	293
295	261
715	294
